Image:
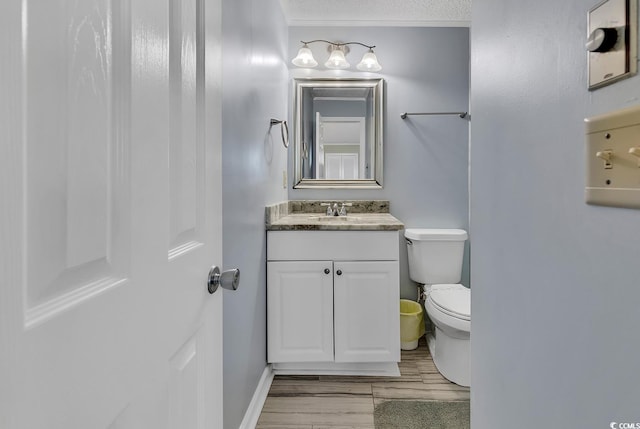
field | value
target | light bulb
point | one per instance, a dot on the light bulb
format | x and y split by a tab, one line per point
337	59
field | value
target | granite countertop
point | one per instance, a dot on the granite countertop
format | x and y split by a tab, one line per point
311	216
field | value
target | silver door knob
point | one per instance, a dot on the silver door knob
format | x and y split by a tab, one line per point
230	279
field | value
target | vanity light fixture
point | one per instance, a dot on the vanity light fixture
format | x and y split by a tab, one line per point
337	58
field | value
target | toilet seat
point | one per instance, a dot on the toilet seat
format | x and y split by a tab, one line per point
452	299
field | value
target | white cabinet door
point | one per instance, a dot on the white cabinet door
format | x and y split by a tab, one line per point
300	311
367	315
110	218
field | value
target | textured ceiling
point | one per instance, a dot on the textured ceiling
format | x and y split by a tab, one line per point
377	12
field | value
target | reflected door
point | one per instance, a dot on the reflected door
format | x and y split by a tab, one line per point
343	166
340	143
110	184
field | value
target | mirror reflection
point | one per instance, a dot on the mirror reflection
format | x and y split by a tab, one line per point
338	132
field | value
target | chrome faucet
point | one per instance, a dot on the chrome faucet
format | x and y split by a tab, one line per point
331	211
334	210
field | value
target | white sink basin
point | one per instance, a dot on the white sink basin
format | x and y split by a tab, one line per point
334	218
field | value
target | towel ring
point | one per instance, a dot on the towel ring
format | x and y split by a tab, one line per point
284	130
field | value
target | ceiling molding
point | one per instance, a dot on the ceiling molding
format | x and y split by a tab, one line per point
379	23
377	13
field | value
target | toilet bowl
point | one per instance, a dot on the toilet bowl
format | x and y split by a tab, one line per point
448	307
435	262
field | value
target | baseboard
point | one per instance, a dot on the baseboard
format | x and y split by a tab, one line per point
252	414
373	369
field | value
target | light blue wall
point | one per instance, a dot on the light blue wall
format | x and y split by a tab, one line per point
425	158
556	289
254	90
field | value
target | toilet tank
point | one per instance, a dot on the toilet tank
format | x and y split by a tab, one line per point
435	255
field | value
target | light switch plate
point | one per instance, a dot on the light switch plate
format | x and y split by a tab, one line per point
614	181
621	61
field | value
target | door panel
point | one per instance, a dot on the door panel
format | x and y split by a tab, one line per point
350	166
300	316
186	145
367	319
333	166
110	182
76	146
186	385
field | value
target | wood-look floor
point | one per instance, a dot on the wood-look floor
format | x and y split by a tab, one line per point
333	402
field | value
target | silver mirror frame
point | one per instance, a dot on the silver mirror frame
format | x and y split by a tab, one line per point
377	84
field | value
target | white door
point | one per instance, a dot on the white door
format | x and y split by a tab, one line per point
340	143
333	166
367	320
341	166
109	214
349	162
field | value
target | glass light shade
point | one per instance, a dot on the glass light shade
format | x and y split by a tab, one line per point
337	60
304	58
369	62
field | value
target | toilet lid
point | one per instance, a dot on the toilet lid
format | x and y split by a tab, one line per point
454	300
436	234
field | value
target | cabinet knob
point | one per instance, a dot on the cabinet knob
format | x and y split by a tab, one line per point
339	272
327	270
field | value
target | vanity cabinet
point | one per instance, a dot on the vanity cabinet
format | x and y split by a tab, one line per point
332	297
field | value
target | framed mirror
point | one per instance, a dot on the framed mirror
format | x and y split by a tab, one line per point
338	133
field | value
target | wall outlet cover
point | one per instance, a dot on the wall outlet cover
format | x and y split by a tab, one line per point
613	159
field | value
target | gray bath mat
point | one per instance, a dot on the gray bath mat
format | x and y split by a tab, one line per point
422	415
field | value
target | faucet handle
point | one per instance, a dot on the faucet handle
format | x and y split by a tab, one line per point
343	210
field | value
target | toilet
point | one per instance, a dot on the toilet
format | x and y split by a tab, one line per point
435	262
